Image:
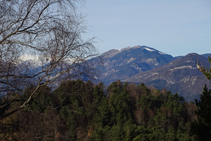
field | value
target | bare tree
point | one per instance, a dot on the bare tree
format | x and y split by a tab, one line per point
49	29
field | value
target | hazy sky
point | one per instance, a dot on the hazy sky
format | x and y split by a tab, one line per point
176	27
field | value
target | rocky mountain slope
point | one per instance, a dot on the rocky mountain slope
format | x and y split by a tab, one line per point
123	64
180	75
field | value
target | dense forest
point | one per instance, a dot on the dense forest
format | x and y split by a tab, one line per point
79	110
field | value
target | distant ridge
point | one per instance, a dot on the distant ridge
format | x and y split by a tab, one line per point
156	69
180	75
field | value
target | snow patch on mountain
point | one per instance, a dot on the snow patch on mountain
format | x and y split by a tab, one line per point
27	57
183	67
38	60
169	81
149	49
161	53
120	50
151	75
35	60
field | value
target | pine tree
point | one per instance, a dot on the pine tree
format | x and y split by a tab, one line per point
206	72
201	128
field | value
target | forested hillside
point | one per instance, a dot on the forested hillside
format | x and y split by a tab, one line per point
79	110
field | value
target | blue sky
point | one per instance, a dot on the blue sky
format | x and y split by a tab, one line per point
175	27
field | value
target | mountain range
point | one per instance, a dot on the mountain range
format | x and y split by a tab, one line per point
123	64
142	64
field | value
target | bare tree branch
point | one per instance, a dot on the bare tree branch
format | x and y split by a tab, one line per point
50	29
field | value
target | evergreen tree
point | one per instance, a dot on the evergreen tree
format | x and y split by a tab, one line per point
206	72
201	128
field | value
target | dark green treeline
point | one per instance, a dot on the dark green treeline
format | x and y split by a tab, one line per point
79	110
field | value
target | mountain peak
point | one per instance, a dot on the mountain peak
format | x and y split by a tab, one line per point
192	54
150	49
138	46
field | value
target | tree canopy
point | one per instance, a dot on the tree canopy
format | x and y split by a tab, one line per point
79	110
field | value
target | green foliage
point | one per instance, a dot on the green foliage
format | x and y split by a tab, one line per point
201	127
162	117
79	110
206	72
